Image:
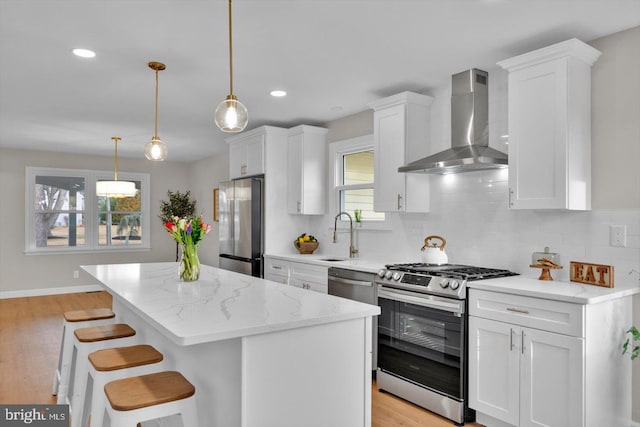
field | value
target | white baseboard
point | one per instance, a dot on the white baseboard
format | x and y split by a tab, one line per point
50	291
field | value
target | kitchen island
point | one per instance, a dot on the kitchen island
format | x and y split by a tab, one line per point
259	353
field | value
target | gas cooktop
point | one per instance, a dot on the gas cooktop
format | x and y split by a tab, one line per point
448	280
457	271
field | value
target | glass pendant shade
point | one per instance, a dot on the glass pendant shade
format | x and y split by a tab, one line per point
116	189
155	149
231	115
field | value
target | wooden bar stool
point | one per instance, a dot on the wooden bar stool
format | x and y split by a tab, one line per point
109	365
72	321
86	341
148	397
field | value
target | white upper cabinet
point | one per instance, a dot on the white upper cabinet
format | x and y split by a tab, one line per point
401	134
550	127
246	153
306	164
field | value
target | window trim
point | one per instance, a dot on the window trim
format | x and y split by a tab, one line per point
337	150
90	213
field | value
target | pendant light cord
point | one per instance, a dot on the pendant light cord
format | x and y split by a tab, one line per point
230	53
115	159
156	129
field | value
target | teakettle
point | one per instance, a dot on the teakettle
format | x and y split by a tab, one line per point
432	253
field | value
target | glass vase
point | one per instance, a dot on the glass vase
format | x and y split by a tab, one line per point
189	267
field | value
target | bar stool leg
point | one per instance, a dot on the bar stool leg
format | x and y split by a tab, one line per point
61	376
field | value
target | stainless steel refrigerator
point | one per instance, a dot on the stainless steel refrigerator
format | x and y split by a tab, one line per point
240	214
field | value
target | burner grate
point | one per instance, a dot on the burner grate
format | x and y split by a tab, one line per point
462	272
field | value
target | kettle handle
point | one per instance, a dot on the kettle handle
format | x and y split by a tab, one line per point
426	242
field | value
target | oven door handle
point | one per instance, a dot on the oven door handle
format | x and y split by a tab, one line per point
457	308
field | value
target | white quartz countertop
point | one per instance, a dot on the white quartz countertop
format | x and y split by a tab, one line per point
221	304
368	266
560	291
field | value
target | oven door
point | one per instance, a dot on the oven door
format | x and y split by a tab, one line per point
421	339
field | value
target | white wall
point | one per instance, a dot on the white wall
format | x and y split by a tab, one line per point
20	272
204	176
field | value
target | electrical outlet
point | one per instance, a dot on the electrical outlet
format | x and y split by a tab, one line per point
76	274
618	235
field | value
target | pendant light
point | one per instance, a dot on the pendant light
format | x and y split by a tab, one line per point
115	188
231	116
155	149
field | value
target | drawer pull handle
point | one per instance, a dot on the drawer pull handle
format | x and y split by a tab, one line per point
517	310
276	267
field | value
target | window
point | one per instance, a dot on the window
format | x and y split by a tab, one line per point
63	213
354	162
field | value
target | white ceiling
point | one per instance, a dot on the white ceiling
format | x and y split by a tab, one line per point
331	56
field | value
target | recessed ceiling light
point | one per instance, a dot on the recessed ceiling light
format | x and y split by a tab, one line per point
84	53
278	93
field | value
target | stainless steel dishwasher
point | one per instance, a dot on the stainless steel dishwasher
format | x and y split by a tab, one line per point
358	286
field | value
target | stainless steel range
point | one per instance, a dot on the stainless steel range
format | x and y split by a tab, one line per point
422	334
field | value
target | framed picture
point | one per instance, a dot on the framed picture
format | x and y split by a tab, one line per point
215	204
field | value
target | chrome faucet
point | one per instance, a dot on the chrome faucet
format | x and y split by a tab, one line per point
352	250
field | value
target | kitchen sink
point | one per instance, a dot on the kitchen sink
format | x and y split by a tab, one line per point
333	259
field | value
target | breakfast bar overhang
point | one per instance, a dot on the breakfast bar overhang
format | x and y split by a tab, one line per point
259	353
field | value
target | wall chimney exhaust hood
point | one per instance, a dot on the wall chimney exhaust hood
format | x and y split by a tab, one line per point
470	149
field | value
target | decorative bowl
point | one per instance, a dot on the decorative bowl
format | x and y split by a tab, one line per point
306	247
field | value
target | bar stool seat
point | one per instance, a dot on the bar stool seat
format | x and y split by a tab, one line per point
73	320
148	397
86	341
109	365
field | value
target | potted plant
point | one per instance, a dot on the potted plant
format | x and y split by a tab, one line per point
634	350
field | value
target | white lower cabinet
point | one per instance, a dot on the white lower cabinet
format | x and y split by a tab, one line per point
543	362
300	274
309	276
276	270
524	376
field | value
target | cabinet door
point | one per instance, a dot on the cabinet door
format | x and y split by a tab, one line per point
494	359
307	284
237	160
294	173
255	155
389	139
551	380
538	136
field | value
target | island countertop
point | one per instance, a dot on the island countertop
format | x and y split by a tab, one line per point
221	304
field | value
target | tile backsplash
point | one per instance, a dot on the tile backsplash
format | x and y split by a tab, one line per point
470	210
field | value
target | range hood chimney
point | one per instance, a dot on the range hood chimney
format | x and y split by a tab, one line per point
470	149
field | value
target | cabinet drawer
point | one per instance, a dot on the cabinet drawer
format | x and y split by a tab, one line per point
548	315
276	267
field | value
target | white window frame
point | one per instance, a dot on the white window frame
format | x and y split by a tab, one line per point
337	151
90	218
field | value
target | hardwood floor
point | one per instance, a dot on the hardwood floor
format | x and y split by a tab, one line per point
30	334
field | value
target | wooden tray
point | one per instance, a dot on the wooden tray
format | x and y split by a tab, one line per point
545	274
